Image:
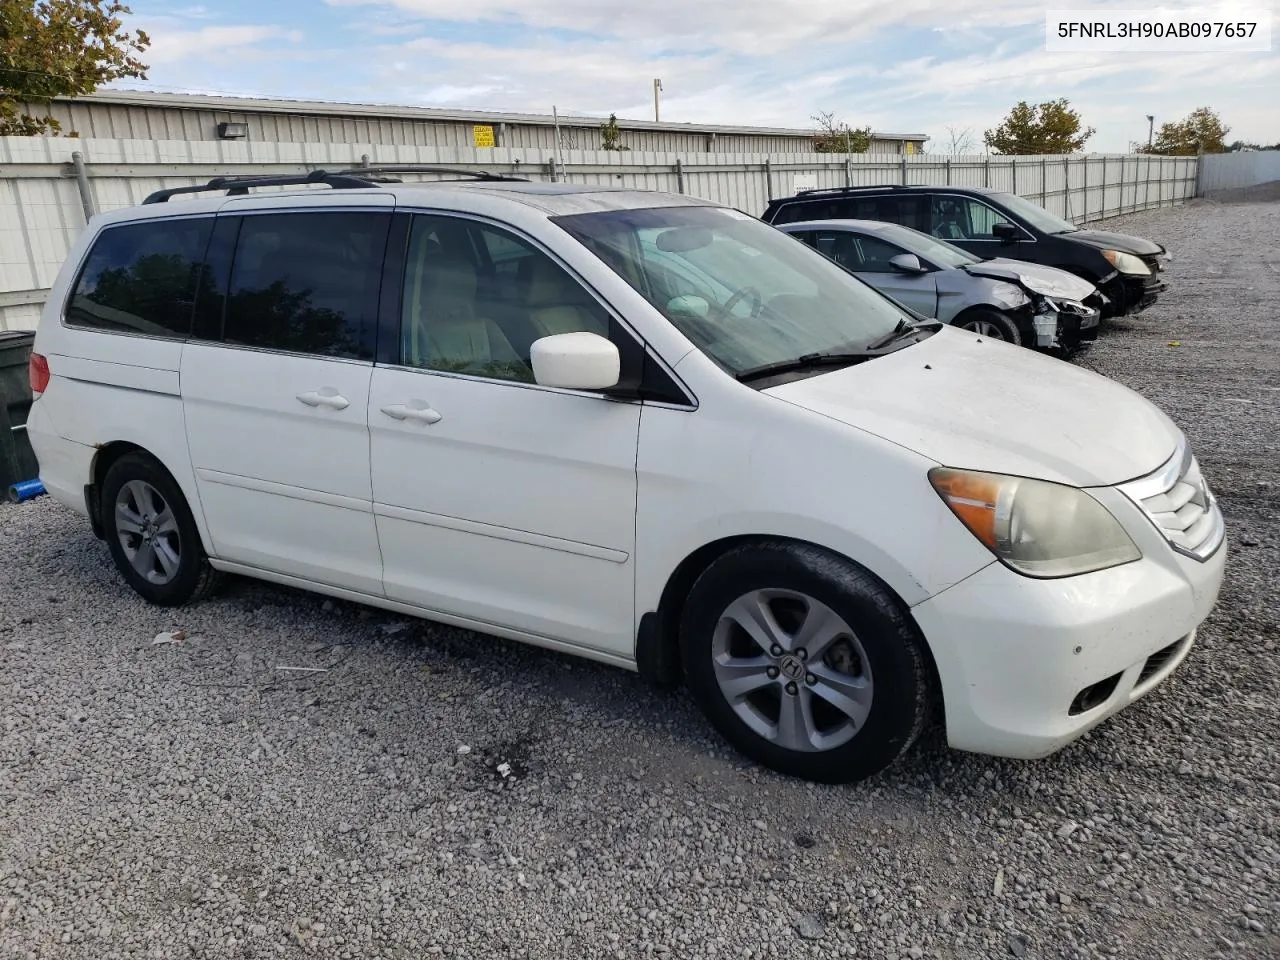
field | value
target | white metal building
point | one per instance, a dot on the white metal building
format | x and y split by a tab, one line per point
129	115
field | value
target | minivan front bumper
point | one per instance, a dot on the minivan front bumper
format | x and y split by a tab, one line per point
1027	666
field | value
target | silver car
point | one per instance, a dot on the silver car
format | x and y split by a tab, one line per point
1010	300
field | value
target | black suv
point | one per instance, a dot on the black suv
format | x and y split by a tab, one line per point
993	223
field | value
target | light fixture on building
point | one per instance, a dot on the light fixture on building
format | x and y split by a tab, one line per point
233	131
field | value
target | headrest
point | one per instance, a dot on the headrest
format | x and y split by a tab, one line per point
449	288
546	282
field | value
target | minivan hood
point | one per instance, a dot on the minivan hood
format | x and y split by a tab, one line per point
978	404
1049	281
1117	241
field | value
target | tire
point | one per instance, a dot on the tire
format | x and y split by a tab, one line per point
873	662
991	324
162	558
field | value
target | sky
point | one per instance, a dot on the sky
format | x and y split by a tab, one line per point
902	66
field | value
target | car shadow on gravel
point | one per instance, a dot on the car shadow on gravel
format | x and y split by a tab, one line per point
652	735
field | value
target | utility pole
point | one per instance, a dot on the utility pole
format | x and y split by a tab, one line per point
559	155
1151	129
657	87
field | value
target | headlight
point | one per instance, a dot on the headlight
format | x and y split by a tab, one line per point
1127	263
1036	528
1008	294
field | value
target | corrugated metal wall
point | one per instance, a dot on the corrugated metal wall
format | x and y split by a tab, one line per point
91	119
41	210
1231	171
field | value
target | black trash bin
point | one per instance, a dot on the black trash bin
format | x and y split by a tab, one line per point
17	461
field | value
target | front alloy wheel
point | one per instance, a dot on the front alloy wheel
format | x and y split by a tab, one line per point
792	670
804	661
990	324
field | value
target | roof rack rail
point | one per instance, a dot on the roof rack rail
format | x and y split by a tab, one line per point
870	186
238	186
430	168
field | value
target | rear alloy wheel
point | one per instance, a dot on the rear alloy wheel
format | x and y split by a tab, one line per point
804	662
990	324
152	534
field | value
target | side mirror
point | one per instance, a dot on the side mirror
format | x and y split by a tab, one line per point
1005	232
575	361
907	263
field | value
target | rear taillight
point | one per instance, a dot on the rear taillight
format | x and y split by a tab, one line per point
38	374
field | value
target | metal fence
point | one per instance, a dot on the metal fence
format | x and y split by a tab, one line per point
1232	171
49	186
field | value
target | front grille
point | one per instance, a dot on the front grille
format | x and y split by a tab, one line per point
1178	501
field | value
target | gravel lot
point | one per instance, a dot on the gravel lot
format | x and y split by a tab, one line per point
195	800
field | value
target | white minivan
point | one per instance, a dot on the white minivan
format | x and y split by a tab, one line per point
638	427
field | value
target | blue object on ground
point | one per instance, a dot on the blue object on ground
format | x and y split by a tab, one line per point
25	490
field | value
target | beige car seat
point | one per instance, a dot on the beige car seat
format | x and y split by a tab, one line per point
549	299
442	330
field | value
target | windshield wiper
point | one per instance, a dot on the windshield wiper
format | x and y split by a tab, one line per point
808	362
904	328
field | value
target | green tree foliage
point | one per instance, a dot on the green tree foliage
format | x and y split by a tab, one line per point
837	137
1047	128
1201	128
59	48
611	134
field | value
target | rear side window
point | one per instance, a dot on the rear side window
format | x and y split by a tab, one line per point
307	283
795	212
142	278
909	211
814	210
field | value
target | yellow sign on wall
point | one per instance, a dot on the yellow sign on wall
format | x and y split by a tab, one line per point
911	147
482	135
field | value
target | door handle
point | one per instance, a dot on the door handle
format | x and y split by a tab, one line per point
324	397
417	410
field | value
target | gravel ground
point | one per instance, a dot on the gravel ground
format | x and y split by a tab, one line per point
438	793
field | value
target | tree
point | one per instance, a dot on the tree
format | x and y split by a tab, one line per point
1200	129
838	137
1048	128
959	142
611	134
59	48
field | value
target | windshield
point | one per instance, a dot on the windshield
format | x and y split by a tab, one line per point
1034	214
746	293
922	245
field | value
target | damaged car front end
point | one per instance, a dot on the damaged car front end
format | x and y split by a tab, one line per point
1067	309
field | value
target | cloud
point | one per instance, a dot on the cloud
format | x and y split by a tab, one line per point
742	26
911	66
175	46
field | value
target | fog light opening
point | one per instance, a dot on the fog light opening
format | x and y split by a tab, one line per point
1094	695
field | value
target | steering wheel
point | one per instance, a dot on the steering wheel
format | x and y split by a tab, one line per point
756	300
